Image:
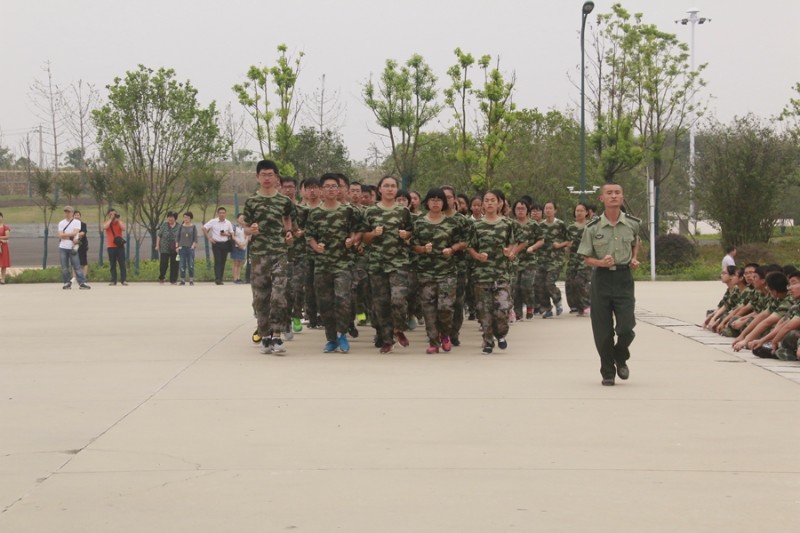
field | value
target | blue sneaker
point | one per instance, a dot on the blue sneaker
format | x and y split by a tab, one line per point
548	314
330	347
343	343
559	310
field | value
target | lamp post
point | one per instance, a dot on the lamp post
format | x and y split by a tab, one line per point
588	6
694	20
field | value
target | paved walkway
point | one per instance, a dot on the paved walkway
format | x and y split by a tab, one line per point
147	408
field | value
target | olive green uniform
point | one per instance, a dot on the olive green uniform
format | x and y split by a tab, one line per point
612	288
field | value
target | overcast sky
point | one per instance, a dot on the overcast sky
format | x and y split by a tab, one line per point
751	47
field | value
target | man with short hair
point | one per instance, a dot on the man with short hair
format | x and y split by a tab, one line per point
610	245
219	231
69	231
268	218
114	228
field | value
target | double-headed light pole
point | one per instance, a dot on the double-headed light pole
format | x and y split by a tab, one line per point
694	20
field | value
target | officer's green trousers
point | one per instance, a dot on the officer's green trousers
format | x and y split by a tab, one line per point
613	302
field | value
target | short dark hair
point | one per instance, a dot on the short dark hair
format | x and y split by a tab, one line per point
729	249
435	193
730	270
525	204
344	178
329	177
173	214
777	281
266	164
311	182
795	274
189	214
289	179
603	186
220	208
404	194
76	212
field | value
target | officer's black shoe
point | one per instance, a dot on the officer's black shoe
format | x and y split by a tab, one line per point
608	382
622	371
454	341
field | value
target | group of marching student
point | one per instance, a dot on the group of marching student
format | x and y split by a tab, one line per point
356	250
760	310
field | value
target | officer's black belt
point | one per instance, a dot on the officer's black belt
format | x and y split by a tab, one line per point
615	268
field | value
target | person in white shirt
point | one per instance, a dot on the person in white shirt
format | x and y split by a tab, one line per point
220	232
69	234
728	260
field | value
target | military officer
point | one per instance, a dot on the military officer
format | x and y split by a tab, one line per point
610	246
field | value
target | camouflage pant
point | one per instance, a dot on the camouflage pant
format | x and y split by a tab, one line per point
360	292
788	348
494	303
414	304
437	298
458	305
268	283
334	300
310	296
522	285
546	289
296	291
577	288
390	302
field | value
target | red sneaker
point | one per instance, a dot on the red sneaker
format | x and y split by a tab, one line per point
446	344
432	349
401	338
386	348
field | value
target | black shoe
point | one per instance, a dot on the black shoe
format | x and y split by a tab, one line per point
608	382
67	285
378	341
454	341
353	331
502	343
84	287
471	316
125	283
218	282
487	347
113	283
622	371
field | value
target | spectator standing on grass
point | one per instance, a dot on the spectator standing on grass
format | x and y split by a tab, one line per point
239	251
5	258
187	244
219	231
69	231
730	258
83	245
115	239
167	246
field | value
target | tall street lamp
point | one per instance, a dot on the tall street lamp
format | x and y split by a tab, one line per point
692	19
588	6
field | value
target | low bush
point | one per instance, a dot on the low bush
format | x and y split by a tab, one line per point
673	252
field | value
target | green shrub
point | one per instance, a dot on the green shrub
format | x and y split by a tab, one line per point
755	252
674	251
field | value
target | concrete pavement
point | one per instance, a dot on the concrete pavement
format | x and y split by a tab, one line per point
147	408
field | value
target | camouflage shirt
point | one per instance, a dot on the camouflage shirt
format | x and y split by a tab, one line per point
550	258
442	234
388	252
332	227
575	234
268	213
297	250
530	233
465	229
491	238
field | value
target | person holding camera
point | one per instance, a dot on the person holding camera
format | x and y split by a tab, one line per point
220	232
115	244
69	234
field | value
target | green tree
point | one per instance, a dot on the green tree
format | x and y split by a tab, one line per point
99	185
153	130
205	184
314	153
45	196
71	185
498	114
742	170
274	139
458	98
438	163
6	158
403	102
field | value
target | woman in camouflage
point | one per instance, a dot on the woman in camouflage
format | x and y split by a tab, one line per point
578	274
551	261
522	273
387	228
436	239
493	244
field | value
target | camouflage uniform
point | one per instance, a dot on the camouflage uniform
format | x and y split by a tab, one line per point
550	263
492	278
360	289
333	278
436	274
578	274
268	252
462	266
298	267
388	268
524	269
